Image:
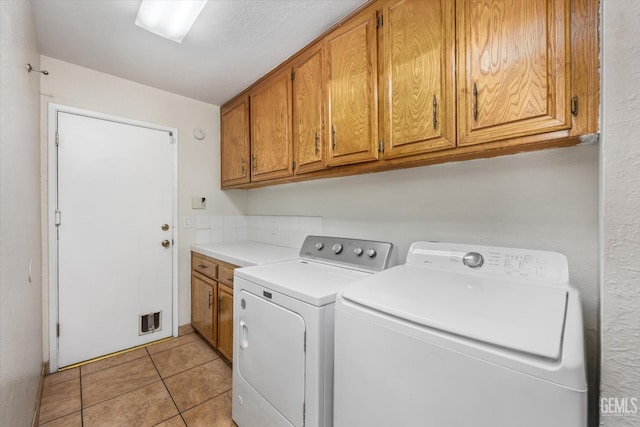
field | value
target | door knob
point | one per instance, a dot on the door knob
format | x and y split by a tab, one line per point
166	243
165	227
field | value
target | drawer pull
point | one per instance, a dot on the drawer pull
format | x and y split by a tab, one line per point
230	279
203	266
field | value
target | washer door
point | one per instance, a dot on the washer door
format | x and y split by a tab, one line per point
271	356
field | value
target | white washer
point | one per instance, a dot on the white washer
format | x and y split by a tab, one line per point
283	331
461	336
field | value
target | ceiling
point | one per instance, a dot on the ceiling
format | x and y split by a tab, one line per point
231	44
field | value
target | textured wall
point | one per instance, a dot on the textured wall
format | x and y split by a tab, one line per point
20	300
198	161
621	208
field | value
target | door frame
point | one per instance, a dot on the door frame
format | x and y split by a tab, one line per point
52	193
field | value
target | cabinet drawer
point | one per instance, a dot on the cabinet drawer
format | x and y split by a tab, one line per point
205	266
226	275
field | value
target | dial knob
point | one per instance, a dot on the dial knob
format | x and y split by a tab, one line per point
337	248
371	252
473	260
357	251
319	246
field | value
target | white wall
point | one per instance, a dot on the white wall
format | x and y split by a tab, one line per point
199	175
542	200
620	206
20	300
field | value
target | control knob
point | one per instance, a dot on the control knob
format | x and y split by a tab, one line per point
357	251
319	246
473	260
337	248
371	252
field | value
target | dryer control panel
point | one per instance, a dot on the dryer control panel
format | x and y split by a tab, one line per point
365	255
492	261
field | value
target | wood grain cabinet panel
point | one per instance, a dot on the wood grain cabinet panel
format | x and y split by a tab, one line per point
351	83
203	306
308	137
212	302
271	146
234	122
225	320
513	68
418	81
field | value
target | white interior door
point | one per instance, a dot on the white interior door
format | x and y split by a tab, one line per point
115	193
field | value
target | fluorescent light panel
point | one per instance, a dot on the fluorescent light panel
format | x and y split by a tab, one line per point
171	19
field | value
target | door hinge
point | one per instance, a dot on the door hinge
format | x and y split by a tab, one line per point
574	105
304	411
57	139
381	146
58	330
293	165
293	74
379	21
58	218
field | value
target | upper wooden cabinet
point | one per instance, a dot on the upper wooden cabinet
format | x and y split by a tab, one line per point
351	82
418	80
271	148
404	83
513	68
234	123
308	111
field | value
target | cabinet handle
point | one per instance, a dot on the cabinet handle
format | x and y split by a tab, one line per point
202	266
253	162
210	299
435	117
475	101
333	137
316	143
219	304
242	162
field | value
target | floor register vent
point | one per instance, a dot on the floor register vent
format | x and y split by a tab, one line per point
150	323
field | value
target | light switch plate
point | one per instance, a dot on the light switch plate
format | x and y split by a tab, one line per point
188	221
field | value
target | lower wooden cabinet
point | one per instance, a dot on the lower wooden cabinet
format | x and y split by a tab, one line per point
212	302
225	320
203	306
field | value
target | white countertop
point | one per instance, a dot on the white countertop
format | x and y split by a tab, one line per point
245	254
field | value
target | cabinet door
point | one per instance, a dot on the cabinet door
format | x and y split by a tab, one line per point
418	81
234	121
352	125
308	138
271	147
203	306
225	320
513	77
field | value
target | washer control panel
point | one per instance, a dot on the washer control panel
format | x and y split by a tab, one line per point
367	255
491	261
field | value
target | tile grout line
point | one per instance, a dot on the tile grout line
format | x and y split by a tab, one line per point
168	392
81	403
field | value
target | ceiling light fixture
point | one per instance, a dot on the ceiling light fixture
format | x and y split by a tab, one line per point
169	19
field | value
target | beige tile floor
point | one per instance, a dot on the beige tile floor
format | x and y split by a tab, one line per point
180	382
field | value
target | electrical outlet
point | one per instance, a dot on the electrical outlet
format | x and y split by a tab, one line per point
198	203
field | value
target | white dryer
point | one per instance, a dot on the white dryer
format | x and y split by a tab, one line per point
461	336
283	336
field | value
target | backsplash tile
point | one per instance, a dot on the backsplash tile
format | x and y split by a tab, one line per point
289	231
